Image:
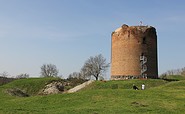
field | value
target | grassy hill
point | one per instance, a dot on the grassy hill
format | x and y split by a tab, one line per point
30	85
175	77
111	97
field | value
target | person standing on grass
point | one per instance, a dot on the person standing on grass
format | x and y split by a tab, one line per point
143	86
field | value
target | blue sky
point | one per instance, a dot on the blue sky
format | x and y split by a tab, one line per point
68	32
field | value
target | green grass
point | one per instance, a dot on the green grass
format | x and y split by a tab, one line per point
111	97
30	85
126	84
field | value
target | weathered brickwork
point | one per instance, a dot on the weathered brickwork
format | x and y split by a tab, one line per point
128	44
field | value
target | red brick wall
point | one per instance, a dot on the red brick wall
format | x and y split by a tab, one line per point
127	46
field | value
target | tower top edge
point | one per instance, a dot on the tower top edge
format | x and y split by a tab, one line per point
138	27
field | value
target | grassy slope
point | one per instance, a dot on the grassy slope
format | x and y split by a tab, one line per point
112	97
177	77
30	86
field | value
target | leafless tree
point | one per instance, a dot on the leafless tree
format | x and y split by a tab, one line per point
95	66
74	75
49	70
183	71
23	75
4	74
174	72
85	73
78	75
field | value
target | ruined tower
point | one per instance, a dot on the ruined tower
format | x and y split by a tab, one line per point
134	53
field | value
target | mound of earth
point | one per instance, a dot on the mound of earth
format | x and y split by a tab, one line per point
52	88
17	92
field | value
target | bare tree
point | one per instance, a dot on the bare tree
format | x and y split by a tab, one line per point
23	75
174	72
75	75
183	71
4	74
49	70
95	66
78	75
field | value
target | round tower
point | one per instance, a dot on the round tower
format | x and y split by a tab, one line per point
134	53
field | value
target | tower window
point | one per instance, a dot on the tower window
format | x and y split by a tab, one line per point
144	40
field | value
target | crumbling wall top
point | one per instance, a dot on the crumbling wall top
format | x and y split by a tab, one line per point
125	27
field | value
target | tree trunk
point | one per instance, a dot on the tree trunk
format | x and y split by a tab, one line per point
96	77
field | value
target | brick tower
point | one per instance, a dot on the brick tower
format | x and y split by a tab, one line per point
134	53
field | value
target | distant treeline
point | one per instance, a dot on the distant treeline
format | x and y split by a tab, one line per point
4	80
180	71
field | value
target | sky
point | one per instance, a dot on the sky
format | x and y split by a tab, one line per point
67	32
